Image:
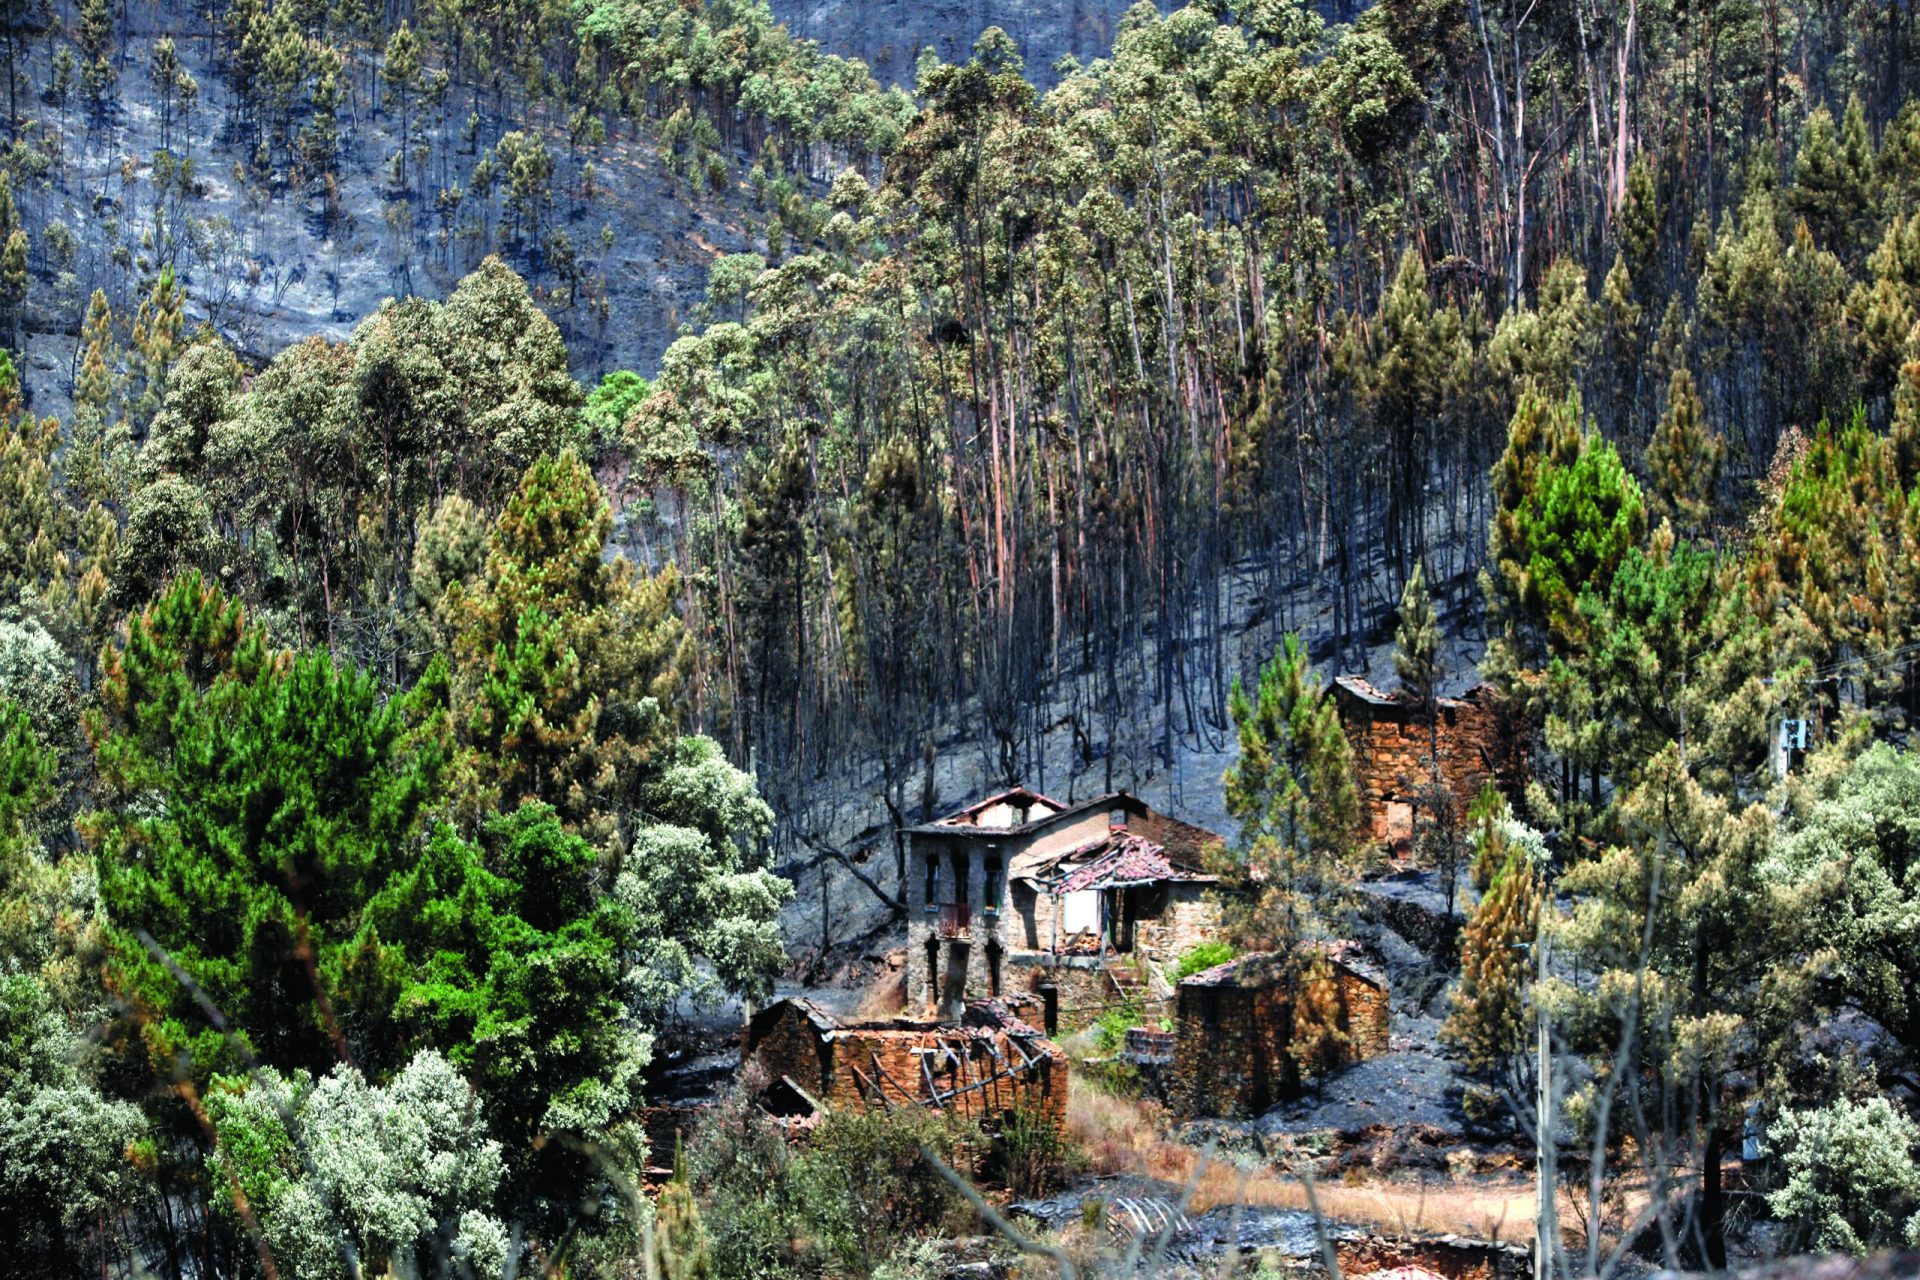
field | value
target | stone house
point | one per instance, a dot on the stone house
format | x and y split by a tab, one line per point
1235	1026
987	1065
1392	740
1020	893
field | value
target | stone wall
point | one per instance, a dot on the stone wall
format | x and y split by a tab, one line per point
782	1041
1365	1007
1450	1257
1392	743
1230	1051
1081	991
1190	917
1436	934
1231	1042
842	1065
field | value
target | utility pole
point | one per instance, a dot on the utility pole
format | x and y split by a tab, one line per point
1546	1236
1791	738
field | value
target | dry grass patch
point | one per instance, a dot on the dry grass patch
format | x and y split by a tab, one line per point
1126	1136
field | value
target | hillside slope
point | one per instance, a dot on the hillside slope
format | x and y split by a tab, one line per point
269	258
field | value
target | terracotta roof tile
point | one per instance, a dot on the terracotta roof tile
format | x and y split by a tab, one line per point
1122	858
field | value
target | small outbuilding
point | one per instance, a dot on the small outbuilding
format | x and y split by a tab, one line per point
1237	1025
988	1064
1393	741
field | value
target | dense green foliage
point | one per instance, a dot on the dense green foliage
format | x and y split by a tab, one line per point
254	804
343	1177
839	1206
299	869
1852	1176
1200	957
384	722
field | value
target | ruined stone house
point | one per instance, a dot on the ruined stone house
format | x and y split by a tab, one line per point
1073	903
987	1065
1392	740
1236	1023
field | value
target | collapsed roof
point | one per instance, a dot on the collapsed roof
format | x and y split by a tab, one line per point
1118	860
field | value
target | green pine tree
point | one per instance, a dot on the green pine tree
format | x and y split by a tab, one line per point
1292	790
1490	1022
680	1250
1833	181
566	664
1683	460
14	282
98	74
1416	641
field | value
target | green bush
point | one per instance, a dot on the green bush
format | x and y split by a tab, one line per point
1110	1028
1201	958
737	1164
1851	1182
853	1195
865	1188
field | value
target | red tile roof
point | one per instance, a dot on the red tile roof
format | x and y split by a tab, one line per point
1119	859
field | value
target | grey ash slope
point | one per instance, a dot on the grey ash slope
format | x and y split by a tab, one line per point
888	34
260	263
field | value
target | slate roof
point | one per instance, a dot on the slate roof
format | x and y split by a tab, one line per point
1043	811
1260	968
1019	797
1365	690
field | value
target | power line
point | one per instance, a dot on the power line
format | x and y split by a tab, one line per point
1864	663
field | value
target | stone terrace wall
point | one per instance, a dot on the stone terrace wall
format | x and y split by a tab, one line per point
1451	1257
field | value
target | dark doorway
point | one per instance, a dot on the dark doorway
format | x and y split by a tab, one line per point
956	984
